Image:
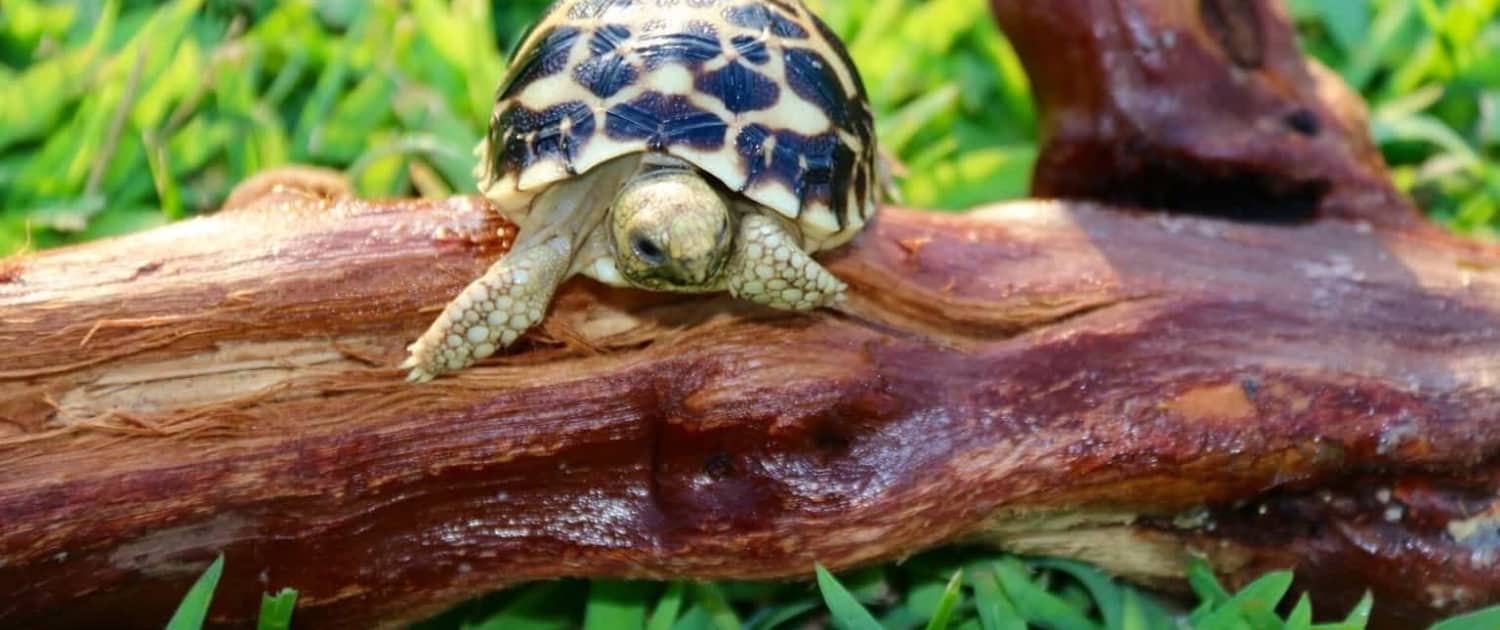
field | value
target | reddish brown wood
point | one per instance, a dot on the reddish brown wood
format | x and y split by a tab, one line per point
227	384
1204	106
1209	107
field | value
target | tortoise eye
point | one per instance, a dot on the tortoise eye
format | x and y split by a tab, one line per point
647	250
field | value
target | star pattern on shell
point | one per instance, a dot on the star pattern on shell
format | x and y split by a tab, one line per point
758	94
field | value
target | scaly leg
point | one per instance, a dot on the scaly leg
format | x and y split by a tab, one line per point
493	311
769	267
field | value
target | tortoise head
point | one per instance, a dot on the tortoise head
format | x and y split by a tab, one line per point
671	230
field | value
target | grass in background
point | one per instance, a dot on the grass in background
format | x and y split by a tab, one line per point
957	589
121	115
117	116
1430	70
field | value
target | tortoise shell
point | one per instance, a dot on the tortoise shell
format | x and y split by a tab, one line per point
758	94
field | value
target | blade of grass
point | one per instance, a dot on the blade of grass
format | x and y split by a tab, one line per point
1201	579
996	612
713	602
194	607
1358	618
847	612
161	176
1485	619
1254	605
667	608
532	609
694	619
276	612
1385	35
34	102
781	613
1105	593
898	129
1301	616
1423	128
901	616
1132	616
1035	604
951	597
615	604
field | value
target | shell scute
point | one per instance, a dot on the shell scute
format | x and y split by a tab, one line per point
808	166
607	70
691	47
547	58
752	49
811	77
759	17
740	89
663	120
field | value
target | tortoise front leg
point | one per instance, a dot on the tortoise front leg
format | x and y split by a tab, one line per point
493	311
769	267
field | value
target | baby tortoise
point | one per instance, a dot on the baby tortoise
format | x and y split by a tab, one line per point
690	146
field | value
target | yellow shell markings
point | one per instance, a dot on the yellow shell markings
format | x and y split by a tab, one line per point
819	223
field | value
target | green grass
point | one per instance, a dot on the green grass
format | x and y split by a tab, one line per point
119	116
946	589
194	607
1430	70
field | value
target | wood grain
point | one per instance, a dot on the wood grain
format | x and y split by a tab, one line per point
228	383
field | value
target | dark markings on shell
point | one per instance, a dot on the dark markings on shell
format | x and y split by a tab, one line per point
727	46
836	45
789	7
740	88
810	76
560	132
688	48
548	57
664	121
608	39
752	49
861	189
816	168
759	17
607	70
862	121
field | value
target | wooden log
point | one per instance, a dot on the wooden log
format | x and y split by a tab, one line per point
1209	107
1055	378
1202	106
